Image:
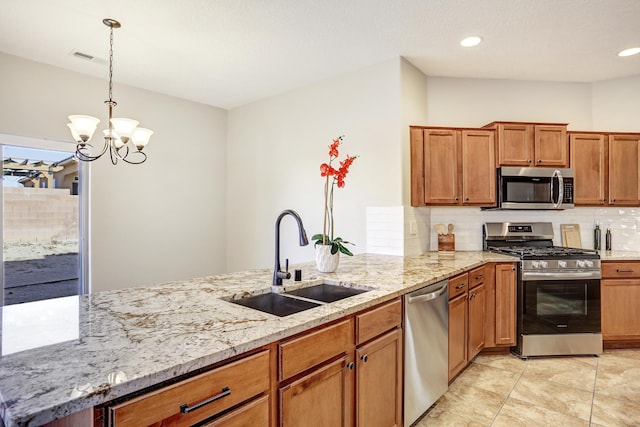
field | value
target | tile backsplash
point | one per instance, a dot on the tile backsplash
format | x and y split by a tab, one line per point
405	230
398	230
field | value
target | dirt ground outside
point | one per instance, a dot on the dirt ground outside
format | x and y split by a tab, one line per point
36	271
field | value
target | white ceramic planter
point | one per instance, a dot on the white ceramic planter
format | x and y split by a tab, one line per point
326	262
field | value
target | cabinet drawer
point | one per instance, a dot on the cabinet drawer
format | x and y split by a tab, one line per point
378	320
168	402
306	351
458	285
620	270
476	277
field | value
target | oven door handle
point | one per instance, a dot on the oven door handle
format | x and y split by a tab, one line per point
565	275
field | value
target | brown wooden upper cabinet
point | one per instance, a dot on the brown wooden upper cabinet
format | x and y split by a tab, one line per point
589	162
452	166
531	144
623	169
605	168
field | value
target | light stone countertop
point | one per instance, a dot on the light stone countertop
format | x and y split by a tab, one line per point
114	343
619	256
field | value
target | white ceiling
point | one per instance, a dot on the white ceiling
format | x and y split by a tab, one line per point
227	53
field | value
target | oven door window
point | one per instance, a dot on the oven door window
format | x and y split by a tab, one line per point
557	307
527	190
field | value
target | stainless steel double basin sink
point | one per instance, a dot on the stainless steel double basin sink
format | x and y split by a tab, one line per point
296	300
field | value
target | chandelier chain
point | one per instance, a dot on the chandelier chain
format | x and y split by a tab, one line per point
111	64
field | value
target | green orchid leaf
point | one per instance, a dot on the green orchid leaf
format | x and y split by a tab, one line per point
345	251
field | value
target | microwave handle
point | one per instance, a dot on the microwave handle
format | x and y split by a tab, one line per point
557	174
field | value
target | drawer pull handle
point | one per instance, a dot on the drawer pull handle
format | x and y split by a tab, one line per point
461	285
185	409
624	271
480	277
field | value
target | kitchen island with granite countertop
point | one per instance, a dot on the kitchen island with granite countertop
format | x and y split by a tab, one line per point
128	340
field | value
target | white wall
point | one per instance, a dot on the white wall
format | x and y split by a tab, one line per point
160	221
414	112
616	105
276	146
476	102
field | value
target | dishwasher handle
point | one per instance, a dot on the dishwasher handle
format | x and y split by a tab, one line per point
428	297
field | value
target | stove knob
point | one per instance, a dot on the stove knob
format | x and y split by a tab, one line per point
562	264
544	264
580	263
535	264
589	264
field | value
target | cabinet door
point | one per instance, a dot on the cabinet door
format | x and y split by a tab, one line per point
515	144
379	381
623	170
254	414
477	316
620	314
588	160
441	166
550	146
320	398
457	334
505	333
478	168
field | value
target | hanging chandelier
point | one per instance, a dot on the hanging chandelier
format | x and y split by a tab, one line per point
123	139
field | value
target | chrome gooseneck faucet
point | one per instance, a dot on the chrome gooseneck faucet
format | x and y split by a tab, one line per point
277	274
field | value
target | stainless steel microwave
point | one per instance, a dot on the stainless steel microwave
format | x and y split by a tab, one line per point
535	188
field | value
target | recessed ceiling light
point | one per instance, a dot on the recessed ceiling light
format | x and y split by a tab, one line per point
629	52
471	41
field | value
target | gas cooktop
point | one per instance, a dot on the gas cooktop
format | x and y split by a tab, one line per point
529	241
536	252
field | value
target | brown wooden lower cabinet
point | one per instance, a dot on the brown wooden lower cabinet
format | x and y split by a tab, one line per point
467	318
379	381
505	304
477	321
318	399
620	295
359	382
457	334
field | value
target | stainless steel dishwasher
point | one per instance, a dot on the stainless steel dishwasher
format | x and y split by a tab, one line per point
426	349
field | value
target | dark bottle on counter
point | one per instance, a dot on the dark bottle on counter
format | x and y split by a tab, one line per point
608	239
597	241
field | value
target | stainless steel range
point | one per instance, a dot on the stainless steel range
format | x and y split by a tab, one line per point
558	290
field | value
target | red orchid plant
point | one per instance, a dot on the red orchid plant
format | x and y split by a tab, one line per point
333	177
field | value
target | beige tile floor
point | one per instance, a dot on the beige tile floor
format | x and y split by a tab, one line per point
503	390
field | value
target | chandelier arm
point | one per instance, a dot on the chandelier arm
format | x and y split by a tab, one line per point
131	162
81	155
113	153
